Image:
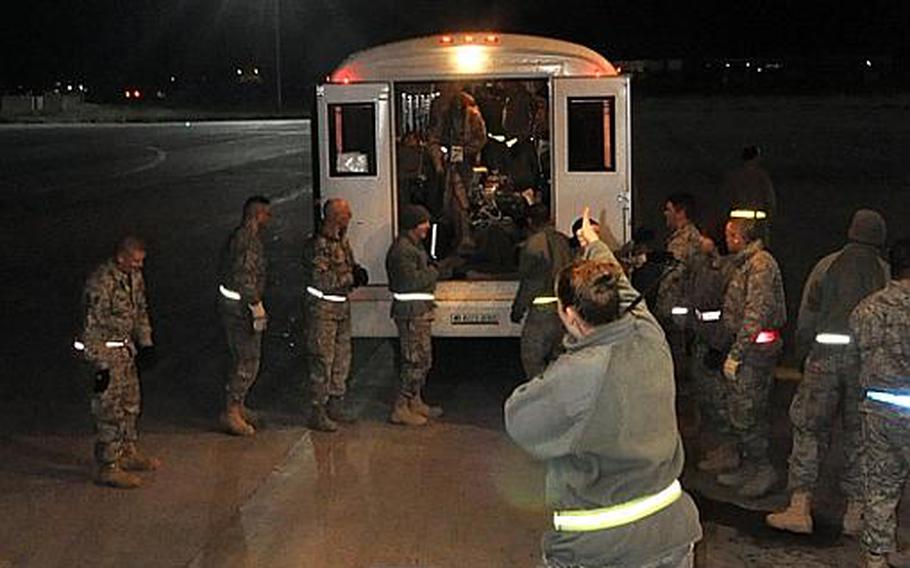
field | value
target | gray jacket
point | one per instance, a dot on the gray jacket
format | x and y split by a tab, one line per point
603	418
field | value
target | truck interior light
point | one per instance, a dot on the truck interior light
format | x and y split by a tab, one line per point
446	39
469	39
491	38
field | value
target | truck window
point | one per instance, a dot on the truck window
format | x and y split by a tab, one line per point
591	134
352	140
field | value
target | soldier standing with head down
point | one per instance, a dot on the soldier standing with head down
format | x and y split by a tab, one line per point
542	256
331	276
881	326
835	286
243	276
412	281
115	329
753	314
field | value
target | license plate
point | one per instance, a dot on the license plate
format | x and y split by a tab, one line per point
474	319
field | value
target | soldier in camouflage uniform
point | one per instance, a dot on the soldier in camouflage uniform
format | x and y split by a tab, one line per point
672	306
542	256
242	284
331	276
412	281
456	137
831	377
711	273
881	326
117	325
754	311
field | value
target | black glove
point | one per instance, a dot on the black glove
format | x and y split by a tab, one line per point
361	276
714	359
146	358
102	380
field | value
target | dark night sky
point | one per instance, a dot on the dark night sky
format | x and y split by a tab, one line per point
116	41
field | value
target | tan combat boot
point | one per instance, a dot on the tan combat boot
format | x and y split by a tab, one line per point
418	406
251	417
760	483
853	519
112	475
134	460
797	517
233	423
402	413
319	420
875	561
723	457
336	411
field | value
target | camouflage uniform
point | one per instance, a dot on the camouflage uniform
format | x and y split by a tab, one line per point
456	125
710	275
754	302
409	270
835	286
542	256
329	265
881	326
243	271
115	311
685	246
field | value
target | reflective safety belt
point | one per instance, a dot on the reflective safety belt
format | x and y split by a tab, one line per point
832	339
748	214
617	515
544	300
711	315
901	401
766	336
327	297
117	344
679	311
413	296
229	294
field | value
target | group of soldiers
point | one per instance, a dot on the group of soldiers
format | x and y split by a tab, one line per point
723	315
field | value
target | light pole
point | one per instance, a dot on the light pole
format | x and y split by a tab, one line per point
278	51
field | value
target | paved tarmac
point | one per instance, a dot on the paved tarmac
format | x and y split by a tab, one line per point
456	494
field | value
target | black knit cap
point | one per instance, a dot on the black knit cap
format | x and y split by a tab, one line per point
412	215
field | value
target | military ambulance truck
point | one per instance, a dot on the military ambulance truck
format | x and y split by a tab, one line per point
398	124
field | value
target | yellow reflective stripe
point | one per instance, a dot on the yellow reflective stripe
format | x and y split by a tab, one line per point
323	296
229	294
899	400
617	515
544	300
115	344
832	339
748	214
412	296
78	345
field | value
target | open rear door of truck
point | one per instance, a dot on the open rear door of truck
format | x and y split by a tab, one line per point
591	157
355	149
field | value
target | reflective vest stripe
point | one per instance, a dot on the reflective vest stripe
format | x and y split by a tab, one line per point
544	300
412	296
323	296
748	214
679	311
712	315
80	346
899	400
832	339
617	515
229	294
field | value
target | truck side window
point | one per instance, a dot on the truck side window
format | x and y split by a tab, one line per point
591	134
352	139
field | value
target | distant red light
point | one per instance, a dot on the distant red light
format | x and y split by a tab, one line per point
136	94
127	94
